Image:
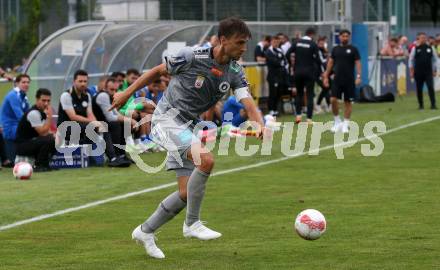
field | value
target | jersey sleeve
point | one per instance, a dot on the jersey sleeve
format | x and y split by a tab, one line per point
104	103
34	117
66	101
239	83
179	62
333	53
357	56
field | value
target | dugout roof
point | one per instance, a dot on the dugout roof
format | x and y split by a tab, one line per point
101	47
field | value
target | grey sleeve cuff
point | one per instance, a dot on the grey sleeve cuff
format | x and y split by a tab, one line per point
34	117
103	102
66	101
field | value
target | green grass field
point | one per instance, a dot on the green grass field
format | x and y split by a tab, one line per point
382	212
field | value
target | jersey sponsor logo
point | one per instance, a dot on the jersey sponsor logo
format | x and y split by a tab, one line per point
199	82
216	72
84	104
201	51
177	61
428	50
224	87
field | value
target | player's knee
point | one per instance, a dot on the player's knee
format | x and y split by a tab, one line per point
207	162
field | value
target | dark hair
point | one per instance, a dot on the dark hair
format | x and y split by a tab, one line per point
421	33
232	26
394	39
323	38
21	76
310	31
345	31
80	72
117	74
110	79
267	38
43	92
133	71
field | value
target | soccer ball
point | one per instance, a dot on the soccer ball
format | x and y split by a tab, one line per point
310	224
22	171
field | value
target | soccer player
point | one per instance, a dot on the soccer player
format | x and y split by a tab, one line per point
200	77
344	58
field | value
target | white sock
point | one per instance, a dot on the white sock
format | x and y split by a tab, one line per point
346	121
337	119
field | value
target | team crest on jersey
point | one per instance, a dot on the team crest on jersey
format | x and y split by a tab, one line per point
348	51
428	50
84	104
199	82
224	86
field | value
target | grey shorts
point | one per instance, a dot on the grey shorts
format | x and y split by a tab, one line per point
176	137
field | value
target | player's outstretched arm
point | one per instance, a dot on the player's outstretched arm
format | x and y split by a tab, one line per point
151	75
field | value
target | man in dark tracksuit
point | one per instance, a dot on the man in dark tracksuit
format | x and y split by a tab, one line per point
306	66
277	74
422	64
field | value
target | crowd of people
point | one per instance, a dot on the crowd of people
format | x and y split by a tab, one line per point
295	67
400	46
31	131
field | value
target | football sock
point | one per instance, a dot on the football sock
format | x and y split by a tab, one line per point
196	191
167	209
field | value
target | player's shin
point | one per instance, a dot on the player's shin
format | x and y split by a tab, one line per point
167	209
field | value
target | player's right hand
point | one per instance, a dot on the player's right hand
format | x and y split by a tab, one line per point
119	99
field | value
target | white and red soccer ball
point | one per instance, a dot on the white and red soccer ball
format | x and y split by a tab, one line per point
310	224
22	171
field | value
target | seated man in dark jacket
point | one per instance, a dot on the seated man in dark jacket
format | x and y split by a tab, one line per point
34	137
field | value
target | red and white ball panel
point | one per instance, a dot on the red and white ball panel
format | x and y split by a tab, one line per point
310	224
22	171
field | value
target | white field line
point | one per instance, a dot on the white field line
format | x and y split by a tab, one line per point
259	164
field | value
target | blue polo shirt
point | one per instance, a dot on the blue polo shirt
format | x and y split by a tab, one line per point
13	108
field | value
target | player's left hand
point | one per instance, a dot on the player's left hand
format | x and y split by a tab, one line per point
358	81
434	74
264	133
